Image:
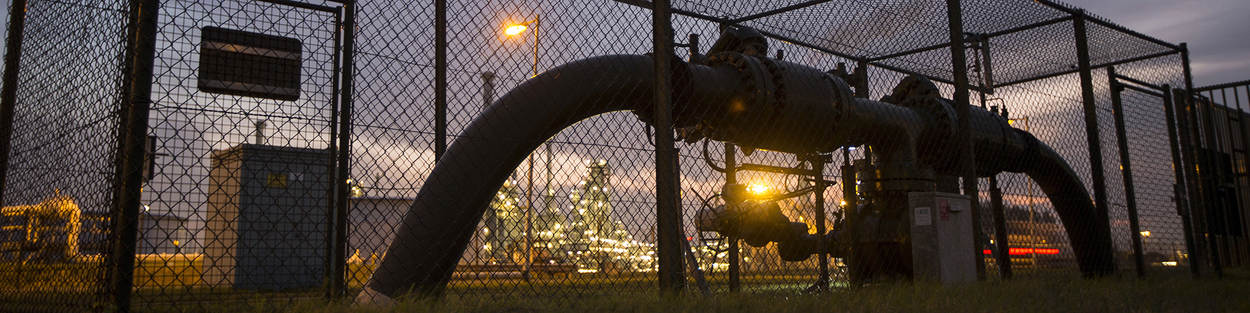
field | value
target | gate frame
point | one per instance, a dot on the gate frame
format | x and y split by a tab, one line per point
142	30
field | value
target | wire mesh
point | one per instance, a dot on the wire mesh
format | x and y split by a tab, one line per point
547	113
60	171
1220	227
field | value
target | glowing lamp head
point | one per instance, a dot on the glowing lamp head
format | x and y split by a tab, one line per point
515	29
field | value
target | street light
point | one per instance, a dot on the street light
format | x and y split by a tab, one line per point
513	30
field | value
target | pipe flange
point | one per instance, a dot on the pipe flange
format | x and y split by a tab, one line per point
842	95
777	73
919	93
757	83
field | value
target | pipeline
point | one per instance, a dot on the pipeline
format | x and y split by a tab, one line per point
738	95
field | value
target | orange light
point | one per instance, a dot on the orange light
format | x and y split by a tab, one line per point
1025	251
515	29
757	189
1046	251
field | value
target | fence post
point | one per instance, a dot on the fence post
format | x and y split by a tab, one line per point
8	96
440	78
818	162
1002	253
1126	172
332	159
1178	188
1102	226
339	266
850	194
735	257
967	162
132	137
668	218
1203	137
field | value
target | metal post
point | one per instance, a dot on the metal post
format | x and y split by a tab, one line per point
488	89
850	184
1178	188
132	136
1102	226
1003	247
1189	141
1126	172
1242	177
967	162
344	149
1198	192
8	96
549	196
818	173
440	78
668	218
332	191
731	177
1003	256
1229	242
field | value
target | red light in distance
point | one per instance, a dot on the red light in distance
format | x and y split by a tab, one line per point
1026	251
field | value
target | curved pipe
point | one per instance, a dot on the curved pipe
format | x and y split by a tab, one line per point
437	228
752	101
1089	235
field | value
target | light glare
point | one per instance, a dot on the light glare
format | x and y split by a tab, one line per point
515	29
757	189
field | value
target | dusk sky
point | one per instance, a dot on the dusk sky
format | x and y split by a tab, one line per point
1214	29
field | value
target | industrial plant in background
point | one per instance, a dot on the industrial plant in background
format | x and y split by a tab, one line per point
44	232
588	236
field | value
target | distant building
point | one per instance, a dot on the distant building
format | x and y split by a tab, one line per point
162	233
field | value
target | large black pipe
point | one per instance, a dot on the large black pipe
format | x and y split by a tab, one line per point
751	101
438	226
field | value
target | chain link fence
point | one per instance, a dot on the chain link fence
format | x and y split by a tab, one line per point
308	149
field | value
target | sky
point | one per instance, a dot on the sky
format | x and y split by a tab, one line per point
1216	31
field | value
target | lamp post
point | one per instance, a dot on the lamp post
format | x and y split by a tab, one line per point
513	30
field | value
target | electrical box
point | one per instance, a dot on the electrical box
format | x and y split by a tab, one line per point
943	248
267	219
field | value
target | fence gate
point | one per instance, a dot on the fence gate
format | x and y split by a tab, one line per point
1224	126
243	123
1148	212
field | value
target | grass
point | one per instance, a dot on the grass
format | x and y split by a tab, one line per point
1159	293
177	289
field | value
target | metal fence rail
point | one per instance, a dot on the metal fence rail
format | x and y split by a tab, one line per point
208	154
